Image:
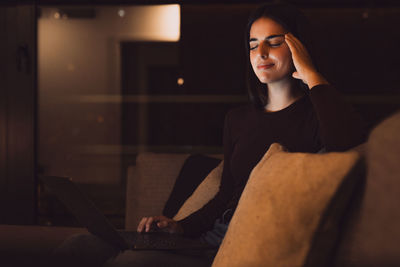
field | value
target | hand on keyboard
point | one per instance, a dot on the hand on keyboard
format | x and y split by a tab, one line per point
159	223
154	228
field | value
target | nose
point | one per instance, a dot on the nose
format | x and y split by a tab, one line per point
263	50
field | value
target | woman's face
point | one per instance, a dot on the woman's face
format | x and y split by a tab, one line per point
270	56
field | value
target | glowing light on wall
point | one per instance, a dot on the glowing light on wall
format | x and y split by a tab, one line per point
154	23
160	23
167	20
121	13
180	81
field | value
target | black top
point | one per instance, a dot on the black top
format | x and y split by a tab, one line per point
315	121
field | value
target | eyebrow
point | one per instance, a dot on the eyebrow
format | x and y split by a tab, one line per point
268	38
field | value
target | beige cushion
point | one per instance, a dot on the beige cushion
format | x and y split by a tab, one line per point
149	185
207	189
281	207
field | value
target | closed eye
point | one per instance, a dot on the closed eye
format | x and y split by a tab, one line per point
253	46
273	41
276	44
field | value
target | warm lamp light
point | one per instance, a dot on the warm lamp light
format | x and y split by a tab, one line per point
180	81
170	21
162	22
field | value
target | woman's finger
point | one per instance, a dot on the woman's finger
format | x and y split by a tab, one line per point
148	223
292	47
290	43
142	224
162	224
296	75
301	58
293	38
299	45
162	221
296	46
297	50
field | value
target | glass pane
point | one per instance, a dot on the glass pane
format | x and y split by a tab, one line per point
80	93
80	83
115	81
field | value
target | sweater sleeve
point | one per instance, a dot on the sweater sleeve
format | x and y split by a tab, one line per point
340	126
203	219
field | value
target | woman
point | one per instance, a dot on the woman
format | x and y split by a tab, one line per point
292	104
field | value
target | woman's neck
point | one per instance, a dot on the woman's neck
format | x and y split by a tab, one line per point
282	94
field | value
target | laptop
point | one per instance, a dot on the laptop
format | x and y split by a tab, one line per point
96	223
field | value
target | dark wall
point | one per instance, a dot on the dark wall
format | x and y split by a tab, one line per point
355	48
213	55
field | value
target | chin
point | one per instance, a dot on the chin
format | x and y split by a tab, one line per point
265	80
268	79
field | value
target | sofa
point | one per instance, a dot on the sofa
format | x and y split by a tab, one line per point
360	229
366	231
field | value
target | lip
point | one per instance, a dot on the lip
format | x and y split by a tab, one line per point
265	66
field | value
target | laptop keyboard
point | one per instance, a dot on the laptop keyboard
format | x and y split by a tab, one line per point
163	241
155	241
152	240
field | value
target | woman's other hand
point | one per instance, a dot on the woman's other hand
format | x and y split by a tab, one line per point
162	222
305	69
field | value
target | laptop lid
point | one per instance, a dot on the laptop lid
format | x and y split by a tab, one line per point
84	210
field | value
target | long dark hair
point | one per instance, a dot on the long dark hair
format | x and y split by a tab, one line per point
293	21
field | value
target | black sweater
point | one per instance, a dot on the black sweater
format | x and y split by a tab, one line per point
318	120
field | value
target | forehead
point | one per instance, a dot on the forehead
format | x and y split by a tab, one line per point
264	27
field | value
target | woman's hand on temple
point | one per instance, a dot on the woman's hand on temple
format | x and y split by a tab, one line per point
162	222
305	69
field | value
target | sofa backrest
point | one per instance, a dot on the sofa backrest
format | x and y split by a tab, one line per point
149	184
372	235
162	183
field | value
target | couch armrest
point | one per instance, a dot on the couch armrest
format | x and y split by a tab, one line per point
149	184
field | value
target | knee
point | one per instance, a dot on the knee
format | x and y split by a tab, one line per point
75	243
85	249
